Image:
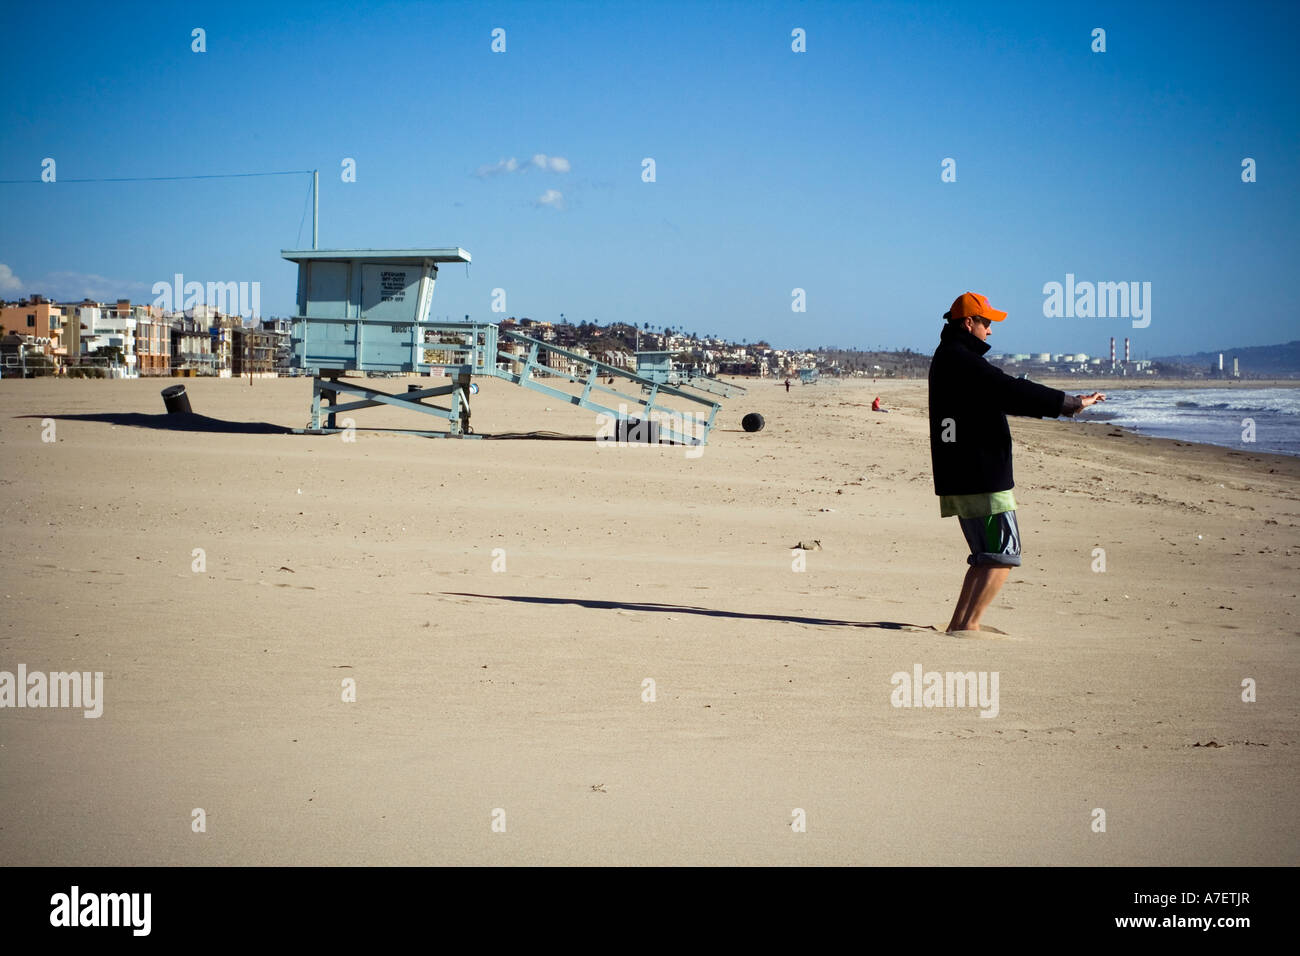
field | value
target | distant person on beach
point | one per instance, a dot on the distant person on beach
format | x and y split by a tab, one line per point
970	448
875	406
787	385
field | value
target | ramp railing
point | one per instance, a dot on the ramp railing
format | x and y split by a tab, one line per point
685	427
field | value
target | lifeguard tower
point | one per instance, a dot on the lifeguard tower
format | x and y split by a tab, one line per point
658	367
366	310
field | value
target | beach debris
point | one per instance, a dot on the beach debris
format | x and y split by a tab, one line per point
598	788
813	545
1212	743
290	570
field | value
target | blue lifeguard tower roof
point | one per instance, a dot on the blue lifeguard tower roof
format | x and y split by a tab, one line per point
395	256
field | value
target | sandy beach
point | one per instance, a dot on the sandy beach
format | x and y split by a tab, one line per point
523	688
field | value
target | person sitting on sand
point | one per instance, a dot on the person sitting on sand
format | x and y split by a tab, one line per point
875	406
970	448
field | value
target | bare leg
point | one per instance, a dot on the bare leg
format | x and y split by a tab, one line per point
980	588
959	612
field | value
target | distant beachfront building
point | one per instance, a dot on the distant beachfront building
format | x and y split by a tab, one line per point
283	330
102	329
153	343
619	358
76	318
205	314
552	359
39	318
252	351
191	348
121	326
23	355
221	331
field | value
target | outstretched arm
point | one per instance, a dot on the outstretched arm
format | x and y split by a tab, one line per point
1077	403
1019	396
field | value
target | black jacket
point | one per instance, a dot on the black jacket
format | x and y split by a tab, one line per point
969	404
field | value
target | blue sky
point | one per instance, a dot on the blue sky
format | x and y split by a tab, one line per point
775	170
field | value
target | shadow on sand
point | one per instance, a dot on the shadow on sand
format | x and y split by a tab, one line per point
187	422
702	611
191	422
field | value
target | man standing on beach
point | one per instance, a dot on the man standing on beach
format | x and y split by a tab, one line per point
970	448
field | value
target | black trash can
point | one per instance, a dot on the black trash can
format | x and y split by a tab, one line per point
177	402
753	422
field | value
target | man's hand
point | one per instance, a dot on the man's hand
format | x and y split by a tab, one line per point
1077	403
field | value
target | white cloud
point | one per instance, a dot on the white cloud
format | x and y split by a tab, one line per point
8	281
556	164
553	164
553	198
501	166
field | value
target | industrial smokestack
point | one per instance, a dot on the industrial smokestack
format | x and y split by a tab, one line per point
1112	351
1126	353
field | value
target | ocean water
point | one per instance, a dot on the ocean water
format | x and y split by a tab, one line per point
1214	416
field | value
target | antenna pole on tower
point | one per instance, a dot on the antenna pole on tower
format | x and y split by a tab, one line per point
315	208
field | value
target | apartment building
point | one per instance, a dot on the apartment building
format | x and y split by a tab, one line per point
39	318
252	351
191	348
153	341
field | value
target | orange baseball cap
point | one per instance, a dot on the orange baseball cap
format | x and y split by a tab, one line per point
973	305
